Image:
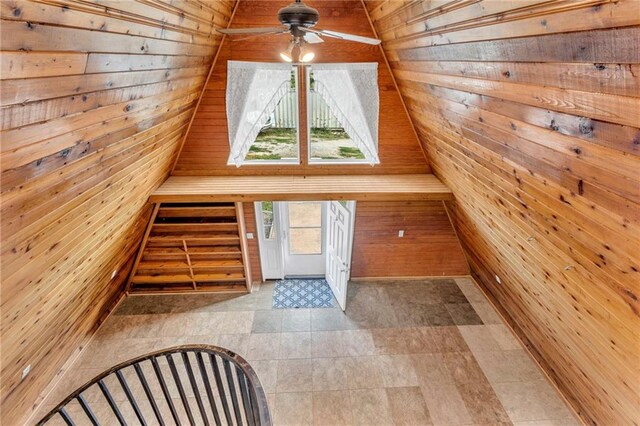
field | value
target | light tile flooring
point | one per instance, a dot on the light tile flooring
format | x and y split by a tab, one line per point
404	353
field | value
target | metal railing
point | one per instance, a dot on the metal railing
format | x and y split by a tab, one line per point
190	385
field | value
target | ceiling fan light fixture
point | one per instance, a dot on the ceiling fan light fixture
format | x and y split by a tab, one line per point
306	55
287	55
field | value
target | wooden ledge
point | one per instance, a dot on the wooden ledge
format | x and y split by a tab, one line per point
195	189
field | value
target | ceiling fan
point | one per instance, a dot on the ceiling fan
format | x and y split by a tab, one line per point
298	19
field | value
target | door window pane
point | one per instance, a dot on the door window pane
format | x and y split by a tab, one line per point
267	220
305	214
305	227
305	240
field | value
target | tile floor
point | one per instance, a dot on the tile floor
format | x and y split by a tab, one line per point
404	353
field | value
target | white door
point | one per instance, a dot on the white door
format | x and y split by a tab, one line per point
340	224
303	237
269	241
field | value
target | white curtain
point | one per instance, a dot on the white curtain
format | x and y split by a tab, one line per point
253	91
351	91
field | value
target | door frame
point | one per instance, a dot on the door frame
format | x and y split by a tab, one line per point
279	242
351	205
274	245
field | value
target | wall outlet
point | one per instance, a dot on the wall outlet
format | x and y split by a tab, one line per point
401	233
26	371
498	280
249	235
113	274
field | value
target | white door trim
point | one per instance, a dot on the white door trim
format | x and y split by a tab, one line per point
271	257
340	235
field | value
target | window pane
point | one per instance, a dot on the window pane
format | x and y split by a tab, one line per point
305	215
278	137
328	139
267	220
305	240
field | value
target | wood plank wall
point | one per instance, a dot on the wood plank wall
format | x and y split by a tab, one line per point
530	111
95	98
251	226
429	246
207	147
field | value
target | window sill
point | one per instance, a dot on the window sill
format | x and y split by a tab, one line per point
341	163
267	163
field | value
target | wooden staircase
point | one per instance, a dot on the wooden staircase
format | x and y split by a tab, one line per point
193	247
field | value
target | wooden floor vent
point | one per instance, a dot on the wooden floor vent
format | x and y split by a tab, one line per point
193	247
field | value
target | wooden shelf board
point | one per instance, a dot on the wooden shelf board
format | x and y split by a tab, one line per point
208	211
189	289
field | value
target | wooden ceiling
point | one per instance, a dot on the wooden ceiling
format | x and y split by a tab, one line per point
95	100
207	147
529	112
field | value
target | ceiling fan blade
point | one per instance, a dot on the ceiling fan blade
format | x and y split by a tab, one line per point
345	36
239	31
252	36
312	38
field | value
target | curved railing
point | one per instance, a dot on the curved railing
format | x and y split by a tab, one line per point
183	385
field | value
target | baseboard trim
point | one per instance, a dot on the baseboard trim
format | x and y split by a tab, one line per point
408	278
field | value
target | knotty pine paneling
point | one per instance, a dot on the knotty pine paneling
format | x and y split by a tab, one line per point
251	225
95	100
529	112
429	246
207	147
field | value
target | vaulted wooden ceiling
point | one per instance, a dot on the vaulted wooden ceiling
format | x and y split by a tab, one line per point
206	149
528	110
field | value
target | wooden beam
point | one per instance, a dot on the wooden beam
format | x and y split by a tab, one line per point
185	189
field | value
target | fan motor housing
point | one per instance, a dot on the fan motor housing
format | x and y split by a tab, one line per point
298	14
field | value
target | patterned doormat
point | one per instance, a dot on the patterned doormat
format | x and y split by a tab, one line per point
302	293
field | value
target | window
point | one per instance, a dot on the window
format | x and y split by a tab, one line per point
264	116
254	92
277	140
328	140
267	220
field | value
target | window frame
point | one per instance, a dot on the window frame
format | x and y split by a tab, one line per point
297	68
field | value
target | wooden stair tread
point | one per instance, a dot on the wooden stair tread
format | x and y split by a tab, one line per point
194	227
218	277
190	236
194	250
196	264
182	288
186	278
209	211
194	237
